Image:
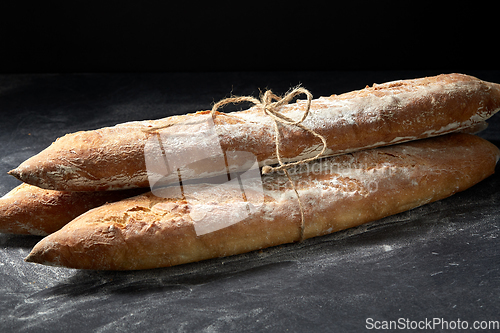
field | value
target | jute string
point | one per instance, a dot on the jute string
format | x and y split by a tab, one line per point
270	104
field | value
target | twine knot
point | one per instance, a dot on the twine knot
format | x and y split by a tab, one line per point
271	109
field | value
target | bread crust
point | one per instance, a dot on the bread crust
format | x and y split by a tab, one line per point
148	231
381	115
30	210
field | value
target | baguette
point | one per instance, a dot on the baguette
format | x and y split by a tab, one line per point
400	111
30	210
148	231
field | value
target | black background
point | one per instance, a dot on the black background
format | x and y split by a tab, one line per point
125	36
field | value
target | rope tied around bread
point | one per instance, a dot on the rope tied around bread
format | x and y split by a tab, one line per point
270	104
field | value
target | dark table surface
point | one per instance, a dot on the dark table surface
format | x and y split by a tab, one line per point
438	262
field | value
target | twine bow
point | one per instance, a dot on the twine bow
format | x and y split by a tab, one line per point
271	109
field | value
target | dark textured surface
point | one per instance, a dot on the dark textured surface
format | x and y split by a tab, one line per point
441	260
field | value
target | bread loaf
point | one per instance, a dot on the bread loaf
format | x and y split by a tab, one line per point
339	192
31	210
385	114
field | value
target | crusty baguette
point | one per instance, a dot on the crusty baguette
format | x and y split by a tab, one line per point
31	210
337	193
385	114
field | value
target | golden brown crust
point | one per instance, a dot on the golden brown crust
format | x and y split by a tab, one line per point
31	210
341	192
400	111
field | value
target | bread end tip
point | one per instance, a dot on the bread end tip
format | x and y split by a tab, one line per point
31	258
37	259
44	255
36	255
15	173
